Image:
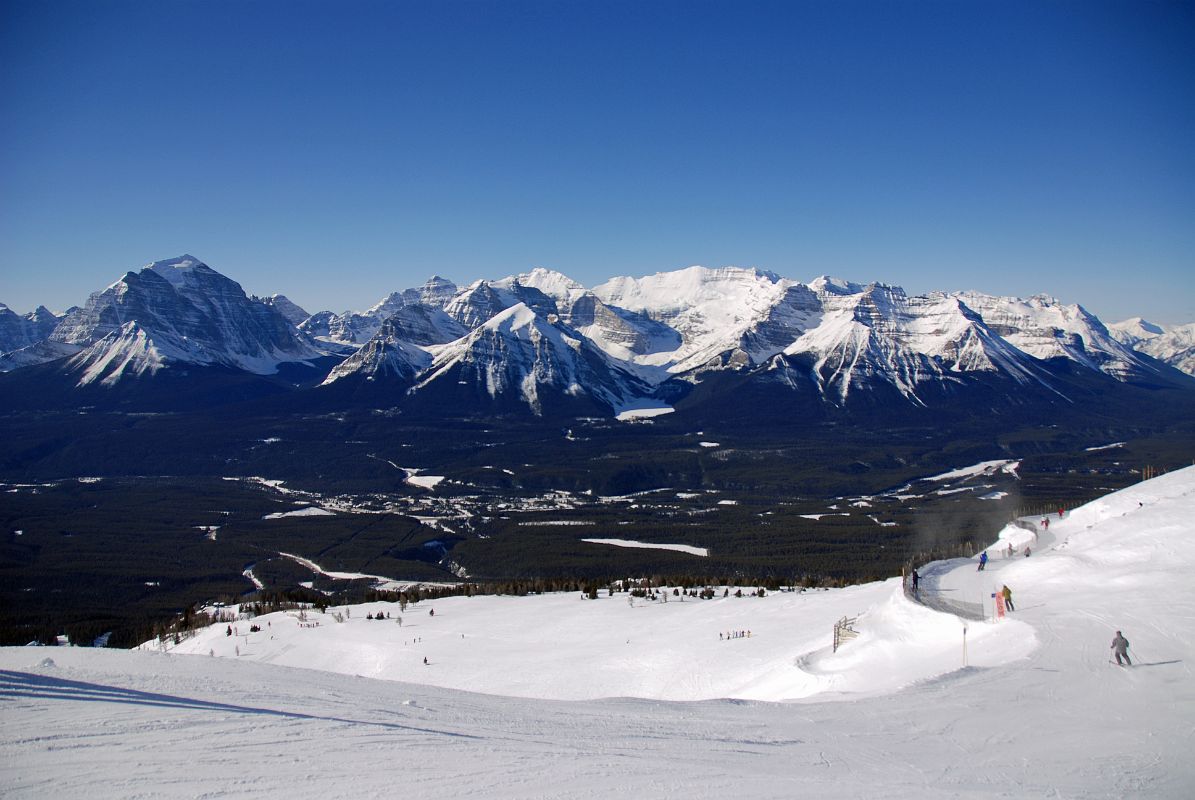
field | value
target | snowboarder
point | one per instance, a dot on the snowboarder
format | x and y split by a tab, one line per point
916	581
1045	523
1120	646
431	612
983	560
1027	551
1010	550
1007	598
425	659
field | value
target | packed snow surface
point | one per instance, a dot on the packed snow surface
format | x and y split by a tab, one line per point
559	696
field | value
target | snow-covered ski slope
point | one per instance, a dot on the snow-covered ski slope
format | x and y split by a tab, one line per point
556	696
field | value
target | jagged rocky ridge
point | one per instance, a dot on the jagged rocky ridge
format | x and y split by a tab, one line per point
542	342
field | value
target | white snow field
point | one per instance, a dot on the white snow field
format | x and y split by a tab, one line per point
555	696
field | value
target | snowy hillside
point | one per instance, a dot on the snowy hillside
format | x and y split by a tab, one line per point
1038	710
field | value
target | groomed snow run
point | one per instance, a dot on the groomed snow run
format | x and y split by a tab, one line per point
556	696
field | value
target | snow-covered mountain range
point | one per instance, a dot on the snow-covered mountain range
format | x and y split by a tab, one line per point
540	337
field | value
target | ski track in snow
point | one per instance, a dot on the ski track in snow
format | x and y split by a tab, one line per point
558	696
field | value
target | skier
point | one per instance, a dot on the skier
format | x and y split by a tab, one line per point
1010	550
1120	646
1045	523
425	659
983	560
916	581
1007	598
1027	551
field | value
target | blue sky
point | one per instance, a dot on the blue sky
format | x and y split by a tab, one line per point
337	151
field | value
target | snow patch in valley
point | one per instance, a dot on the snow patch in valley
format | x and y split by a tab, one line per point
422	481
631	414
309	511
253	578
379	581
1006	465
680	548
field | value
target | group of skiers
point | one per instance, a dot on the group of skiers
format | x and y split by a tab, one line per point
734	635
1120	645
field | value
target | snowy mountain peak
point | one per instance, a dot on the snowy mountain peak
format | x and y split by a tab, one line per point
386	355
1046	329
176	270
1134	329
184	311
561	288
386	306
19	331
434	293
522	355
826	284
293	313
1171	344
